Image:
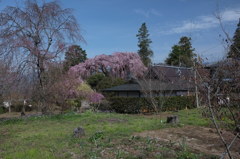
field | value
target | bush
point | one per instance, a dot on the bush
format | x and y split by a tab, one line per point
137	105
108	82
17	107
104	105
95	79
125	105
175	103
74	103
2	110
130	104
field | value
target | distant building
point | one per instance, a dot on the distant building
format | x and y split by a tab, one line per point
160	80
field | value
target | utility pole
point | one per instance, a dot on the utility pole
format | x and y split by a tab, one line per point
195	82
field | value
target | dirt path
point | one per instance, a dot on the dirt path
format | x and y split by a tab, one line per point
198	139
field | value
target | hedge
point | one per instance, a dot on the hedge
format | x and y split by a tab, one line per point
176	102
137	105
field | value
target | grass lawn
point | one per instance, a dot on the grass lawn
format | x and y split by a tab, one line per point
108	135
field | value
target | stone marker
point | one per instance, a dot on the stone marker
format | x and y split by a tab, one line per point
78	132
172	119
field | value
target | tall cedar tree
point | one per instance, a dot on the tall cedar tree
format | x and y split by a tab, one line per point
74	55
144	44
182	54
234	51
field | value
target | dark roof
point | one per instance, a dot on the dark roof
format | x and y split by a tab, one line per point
151	85
168	73
157	85
174	74
125	87
163	78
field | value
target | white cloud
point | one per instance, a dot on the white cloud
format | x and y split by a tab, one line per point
147	13
231	15
206	22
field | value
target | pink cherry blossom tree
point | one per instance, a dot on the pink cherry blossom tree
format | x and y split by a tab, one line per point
70	88
118	64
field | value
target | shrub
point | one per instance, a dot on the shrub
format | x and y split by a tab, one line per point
125	105
175	103
130	104
2	110
137	105
95	79
17	107
104	105
74	102
108	82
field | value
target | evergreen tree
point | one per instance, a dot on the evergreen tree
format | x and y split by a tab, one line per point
144	44
182	54
234	51
74	55
94	80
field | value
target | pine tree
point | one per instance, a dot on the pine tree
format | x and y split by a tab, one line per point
144	44
74	55
234	51
182	54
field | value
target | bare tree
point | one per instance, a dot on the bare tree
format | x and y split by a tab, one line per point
222	96
35	35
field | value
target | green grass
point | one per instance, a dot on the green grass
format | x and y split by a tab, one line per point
193	117
51	137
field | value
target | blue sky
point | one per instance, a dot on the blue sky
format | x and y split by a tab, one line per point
111	25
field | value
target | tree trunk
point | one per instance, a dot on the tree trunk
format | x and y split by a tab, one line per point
9	109
42	97
23	108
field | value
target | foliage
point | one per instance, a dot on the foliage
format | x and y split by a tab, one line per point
104	105
121	65
144	45
94	80
84	87
71	88
175	103
95	97
65	88
234	51
128	104
74	55
186	155
99	135
182	54
74	102
108	82
89	94
2	110
137	105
